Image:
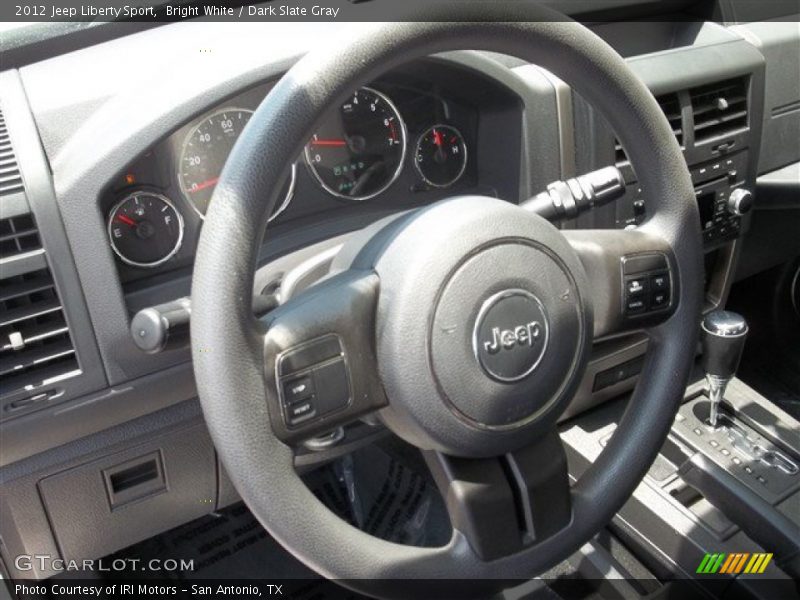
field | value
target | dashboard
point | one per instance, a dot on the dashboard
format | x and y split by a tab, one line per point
118	152
131	148
412	137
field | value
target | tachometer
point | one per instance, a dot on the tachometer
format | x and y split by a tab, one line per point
205	151
145	229
359	151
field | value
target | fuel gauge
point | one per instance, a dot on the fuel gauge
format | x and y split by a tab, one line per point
441	156
145	229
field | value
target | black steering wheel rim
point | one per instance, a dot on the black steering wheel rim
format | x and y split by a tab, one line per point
227	342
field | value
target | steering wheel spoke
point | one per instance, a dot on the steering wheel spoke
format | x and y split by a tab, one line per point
319	359
632	276
503	504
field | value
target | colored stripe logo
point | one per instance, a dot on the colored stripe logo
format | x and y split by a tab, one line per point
734	563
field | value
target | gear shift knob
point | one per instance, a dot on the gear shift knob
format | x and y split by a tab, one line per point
723	337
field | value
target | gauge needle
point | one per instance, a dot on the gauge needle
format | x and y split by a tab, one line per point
440	155
203	185
127	220
328	143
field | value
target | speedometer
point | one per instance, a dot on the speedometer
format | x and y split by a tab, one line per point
358	152
205	151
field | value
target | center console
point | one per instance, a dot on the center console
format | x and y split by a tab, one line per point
730	492
739	446
727	481
719	509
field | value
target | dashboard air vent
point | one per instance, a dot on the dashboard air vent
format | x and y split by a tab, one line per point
36	349
719	108
18	235
10	178
671	107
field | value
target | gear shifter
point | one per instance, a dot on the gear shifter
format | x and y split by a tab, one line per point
723	337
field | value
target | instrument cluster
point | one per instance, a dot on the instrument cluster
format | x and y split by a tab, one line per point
396	144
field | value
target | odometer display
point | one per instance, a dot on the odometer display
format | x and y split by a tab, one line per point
358	152
205	152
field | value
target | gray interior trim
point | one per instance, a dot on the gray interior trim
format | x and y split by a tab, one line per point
539	117
49	428
778	42
70	124
30	530
34	167
90	145
13	205
566	125
779	189
23	263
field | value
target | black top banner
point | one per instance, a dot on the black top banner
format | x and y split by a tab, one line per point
149	11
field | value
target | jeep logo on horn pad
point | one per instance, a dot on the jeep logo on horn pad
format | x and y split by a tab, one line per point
510	335
508	338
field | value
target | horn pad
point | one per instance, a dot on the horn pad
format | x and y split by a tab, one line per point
483	325
504	334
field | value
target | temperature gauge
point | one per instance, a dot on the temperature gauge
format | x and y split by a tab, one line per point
145	229
441	156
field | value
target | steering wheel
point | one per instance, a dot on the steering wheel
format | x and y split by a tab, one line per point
465	326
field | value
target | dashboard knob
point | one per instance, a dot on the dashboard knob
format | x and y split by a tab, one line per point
740	201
